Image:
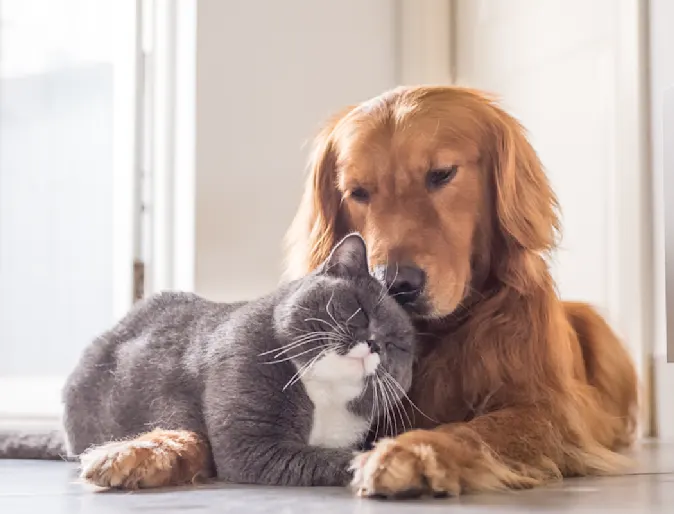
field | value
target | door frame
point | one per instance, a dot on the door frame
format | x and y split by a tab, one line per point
631	283
127	154
170	158
425	46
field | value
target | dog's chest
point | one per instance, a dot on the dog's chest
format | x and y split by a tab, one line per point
333	424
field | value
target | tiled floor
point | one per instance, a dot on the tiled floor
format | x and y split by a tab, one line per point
51	487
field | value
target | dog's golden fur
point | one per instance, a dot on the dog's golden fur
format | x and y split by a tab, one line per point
526	387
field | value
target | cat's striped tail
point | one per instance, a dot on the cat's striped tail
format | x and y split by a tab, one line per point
48	445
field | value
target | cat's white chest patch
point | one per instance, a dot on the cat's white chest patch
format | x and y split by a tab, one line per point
331	384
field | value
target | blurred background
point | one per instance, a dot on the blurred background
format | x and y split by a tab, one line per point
161	144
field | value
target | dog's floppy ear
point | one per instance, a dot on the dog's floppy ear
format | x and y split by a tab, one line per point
526	206
318	225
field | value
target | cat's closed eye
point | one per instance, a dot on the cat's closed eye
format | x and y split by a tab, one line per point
397	346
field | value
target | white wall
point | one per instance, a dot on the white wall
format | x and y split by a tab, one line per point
568	69
268	72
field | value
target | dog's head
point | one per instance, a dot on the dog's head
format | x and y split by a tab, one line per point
444	187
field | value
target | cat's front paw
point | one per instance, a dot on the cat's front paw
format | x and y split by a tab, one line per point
156	459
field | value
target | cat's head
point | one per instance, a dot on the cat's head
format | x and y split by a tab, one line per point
340	323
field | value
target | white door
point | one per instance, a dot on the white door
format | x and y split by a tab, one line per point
570	70
67	187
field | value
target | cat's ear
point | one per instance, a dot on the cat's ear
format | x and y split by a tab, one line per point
348	257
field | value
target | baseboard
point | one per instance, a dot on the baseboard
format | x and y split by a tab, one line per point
29	423
26	397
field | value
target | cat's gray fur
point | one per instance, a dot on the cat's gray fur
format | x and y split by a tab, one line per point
178	361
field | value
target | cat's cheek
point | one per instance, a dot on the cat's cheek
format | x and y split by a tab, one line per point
371	363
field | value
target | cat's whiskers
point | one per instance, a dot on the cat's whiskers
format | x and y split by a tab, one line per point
302	332
384	291
302	370
375	391
287	350
393	405
305	333
352	316
338	327
290	357
389	411
297	341
388	378
294	345
338	330
404	393
332	330
387	289
387	418
308	337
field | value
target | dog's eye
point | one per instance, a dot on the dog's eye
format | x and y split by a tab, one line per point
435	179
360	195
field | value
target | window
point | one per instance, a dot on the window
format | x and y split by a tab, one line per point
67	187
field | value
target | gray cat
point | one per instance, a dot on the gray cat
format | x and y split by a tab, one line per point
284	388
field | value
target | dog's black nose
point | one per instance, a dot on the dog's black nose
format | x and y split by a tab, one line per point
405	283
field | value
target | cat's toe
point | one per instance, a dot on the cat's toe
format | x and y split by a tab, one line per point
125	464
100	466
157	459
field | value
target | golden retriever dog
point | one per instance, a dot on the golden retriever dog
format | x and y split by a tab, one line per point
516	387
459	216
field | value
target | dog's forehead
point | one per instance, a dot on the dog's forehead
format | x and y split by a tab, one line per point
369	145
